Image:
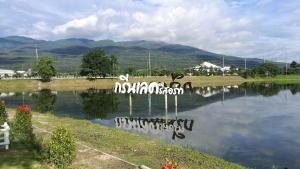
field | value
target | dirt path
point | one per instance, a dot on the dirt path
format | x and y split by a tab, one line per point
90	158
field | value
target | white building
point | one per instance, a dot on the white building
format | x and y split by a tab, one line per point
5	72
208	67
11	73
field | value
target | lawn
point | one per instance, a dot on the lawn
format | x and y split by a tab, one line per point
82	84
131	147
20	156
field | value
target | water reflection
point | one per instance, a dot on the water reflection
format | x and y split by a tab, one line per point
97	103
256	125
44	100
176	127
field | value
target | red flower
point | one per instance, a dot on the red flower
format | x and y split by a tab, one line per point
170	164
24	107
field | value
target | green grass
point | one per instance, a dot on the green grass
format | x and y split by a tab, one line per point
82	84
131	147
20	156
280	79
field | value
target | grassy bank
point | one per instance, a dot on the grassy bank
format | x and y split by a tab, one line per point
279	79
131	147
82	84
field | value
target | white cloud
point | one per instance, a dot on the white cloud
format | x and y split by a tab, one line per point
240	28
83	24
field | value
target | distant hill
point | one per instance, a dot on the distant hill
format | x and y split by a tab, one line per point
18	51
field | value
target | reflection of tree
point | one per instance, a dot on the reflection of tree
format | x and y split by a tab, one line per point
264	89
294	88
44	101
97	103
268	89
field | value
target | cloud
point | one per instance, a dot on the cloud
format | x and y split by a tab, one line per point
263	2
250	28
84	24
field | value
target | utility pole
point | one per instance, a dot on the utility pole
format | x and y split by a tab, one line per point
286	69
223	66
245	63
36	53
149	59
147	71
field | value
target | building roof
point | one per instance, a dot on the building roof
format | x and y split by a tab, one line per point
209	65
6	71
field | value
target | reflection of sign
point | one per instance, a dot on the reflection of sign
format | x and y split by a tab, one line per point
174	88
155	126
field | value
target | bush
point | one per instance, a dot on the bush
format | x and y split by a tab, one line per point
3	114
22	125
62	148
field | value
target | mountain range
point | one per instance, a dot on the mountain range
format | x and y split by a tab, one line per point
18	52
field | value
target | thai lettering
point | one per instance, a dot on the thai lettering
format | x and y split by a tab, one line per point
176	127
175	88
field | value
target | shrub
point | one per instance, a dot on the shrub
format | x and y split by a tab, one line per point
3	114
22	125
62	147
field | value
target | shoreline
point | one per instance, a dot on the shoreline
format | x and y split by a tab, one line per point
82	84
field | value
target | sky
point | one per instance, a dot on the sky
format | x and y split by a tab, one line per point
267	29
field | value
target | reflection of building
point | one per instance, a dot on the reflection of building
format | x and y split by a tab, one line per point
7	94
211	91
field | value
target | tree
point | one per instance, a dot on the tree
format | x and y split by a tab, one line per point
115	70
293	64
95	63
130	71
44	68
268	69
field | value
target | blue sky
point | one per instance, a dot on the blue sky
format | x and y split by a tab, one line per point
247	28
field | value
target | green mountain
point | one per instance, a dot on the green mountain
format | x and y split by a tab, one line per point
18	51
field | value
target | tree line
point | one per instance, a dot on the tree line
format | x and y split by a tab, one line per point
95	64
272	70
98	64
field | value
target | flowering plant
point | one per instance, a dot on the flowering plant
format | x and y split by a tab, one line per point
24	107
171	164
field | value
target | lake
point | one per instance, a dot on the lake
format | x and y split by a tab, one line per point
256	125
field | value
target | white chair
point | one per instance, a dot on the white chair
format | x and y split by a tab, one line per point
5	130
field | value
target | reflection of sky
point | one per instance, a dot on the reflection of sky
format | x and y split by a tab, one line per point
254	131
243	128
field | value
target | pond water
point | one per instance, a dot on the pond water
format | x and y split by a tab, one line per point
256	125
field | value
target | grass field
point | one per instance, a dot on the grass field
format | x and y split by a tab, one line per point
20	156
131	147
82	84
